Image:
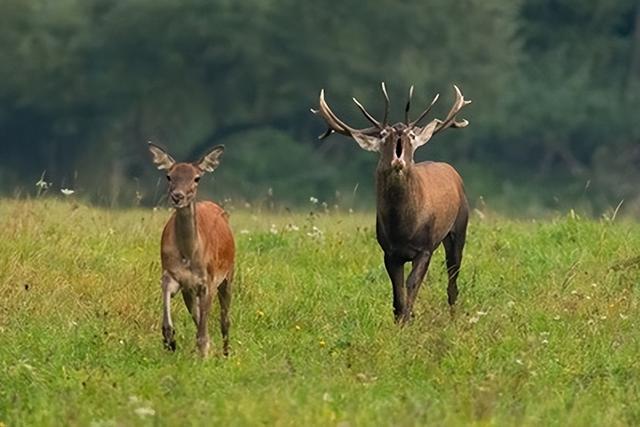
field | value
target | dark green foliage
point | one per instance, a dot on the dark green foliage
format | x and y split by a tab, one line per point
84	84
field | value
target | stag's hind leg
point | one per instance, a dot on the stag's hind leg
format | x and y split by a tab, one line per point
169	288
224	296
453	246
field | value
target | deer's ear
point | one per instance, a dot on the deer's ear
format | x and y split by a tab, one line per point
367	142
423	135
211	160
161	158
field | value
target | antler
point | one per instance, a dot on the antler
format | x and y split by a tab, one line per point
424	113
338	126
406	108
451	121
424	133
386	109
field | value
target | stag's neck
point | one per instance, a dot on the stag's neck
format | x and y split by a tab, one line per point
187	231
398	195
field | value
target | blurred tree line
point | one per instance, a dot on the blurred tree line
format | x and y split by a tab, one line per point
85	83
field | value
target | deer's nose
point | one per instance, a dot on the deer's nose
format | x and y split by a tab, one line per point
177	196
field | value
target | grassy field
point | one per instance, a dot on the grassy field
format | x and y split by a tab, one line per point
545	331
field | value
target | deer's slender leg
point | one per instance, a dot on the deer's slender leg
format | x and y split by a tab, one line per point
453	246
420	265
395	269
169	288
224	296
202	337
191	301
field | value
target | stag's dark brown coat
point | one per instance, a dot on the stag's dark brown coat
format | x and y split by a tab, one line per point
419	205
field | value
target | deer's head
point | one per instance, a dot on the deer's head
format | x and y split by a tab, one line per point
395	143
183	177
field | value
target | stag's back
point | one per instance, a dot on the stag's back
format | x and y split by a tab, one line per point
442	197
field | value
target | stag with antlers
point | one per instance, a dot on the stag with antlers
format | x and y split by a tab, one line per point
418	205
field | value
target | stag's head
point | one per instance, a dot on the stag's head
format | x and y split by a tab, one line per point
183	177
396	143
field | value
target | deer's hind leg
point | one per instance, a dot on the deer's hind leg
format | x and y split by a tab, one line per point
224	296
202	337
191	301
170	287
453	246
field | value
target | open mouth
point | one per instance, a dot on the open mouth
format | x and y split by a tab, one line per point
399	148
398	162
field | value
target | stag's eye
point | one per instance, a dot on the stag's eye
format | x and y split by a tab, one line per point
168	178
197	179
412	135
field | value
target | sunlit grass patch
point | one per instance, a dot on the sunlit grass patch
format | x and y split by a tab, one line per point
545	331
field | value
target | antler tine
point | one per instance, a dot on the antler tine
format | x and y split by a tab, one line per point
406	109
451	121
334	123
386	104
367	115
425	112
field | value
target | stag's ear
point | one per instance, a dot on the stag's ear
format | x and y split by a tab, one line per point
161	158
367	142
211	160
423	135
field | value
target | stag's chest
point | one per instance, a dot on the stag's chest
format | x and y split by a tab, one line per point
401	237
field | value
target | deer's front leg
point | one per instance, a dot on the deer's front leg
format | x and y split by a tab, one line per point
395	269
420	265
205	297
169	288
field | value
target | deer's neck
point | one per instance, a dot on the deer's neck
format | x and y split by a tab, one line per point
398	195
187	231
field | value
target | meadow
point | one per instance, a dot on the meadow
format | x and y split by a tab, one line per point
545	331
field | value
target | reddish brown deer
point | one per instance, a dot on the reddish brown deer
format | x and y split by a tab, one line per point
419	205
197	249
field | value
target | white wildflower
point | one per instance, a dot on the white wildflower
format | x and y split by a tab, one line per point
145	412
313	200
67	191
42	184
315	233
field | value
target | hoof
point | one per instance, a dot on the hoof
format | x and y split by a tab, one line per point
170	345
203	347
169	340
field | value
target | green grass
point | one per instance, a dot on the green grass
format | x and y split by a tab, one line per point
545	332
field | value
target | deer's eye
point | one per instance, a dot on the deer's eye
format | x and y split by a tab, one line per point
412	135
197	179
168	178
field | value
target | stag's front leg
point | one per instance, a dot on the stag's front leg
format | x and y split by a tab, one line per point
395	270
169	288
420	265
